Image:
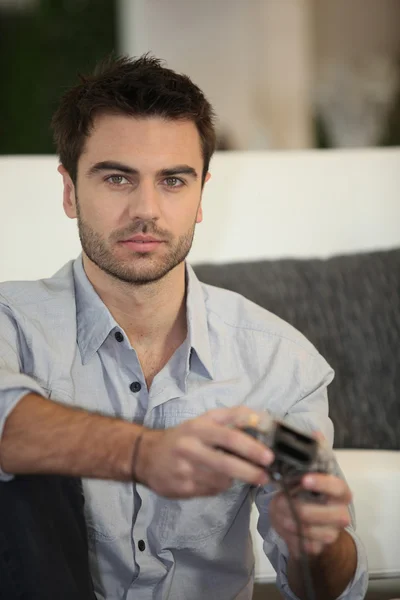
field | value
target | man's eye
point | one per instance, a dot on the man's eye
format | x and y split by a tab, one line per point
173	182
117	179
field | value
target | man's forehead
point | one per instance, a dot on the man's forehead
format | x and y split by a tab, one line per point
108	123
125	138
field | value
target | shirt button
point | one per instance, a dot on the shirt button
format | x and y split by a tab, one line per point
119	337
135	386
141	545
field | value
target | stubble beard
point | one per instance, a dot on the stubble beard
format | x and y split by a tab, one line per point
137	269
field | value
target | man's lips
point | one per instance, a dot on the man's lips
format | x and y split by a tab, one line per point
142	243
143	239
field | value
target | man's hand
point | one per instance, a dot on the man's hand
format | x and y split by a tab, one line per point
186	461
332	549
321	523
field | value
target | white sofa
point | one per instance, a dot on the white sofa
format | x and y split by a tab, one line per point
272	204
374	477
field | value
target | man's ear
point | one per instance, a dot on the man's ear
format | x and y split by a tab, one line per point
199	216
69	196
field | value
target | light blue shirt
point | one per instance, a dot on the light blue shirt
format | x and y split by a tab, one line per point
57	338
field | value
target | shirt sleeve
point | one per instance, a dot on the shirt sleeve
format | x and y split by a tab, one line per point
14	384
309	413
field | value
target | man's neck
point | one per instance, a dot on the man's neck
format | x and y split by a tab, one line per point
153	316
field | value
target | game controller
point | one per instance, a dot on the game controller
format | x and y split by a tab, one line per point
295	453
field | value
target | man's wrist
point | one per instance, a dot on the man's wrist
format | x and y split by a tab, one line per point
339	552
331	571
143	454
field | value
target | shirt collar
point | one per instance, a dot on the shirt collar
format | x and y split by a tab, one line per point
93	319
197	319
95	322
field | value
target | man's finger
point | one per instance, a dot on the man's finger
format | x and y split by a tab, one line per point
310	513
319	436
229	439
330	485
320	533
233	467
239	443
311	547
224	464
315	514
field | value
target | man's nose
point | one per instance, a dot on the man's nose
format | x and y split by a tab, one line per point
145	202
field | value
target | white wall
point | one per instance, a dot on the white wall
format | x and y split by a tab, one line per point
250	57
258	60
203	40
256	205
355	29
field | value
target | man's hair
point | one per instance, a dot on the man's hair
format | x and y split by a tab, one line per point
140	87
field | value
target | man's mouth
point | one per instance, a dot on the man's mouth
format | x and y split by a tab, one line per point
142	243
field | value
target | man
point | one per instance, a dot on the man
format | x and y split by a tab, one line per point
124	370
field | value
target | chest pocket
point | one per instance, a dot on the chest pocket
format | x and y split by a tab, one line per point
108	509
183	523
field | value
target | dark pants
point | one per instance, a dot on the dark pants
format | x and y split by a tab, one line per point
43	541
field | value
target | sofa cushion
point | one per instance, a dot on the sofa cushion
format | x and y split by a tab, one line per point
349	308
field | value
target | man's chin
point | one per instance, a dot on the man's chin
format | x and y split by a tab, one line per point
136	268
138	276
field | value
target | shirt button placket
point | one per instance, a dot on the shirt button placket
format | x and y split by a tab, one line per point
143	554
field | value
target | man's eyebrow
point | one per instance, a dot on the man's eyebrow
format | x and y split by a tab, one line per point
111	165
178	170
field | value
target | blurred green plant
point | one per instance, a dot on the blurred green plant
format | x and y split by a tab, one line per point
42	50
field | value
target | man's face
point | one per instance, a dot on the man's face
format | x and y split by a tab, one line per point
137	196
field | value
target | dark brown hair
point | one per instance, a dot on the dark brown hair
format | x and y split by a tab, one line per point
140	87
